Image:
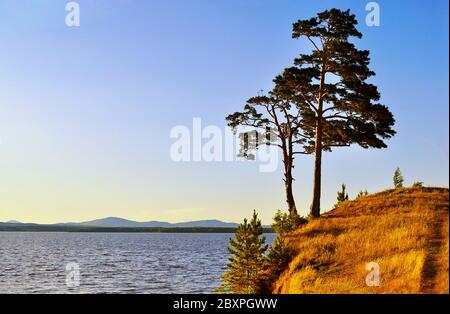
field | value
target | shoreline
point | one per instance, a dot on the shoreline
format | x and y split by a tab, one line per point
73	229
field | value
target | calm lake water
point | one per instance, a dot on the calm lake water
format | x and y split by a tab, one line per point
35	262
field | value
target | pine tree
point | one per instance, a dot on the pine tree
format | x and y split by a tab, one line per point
247	260
280	253
398	178
417	184
276	122
361	194
338	107
282	224
342	195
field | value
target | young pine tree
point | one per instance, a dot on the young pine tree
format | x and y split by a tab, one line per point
247	261
361	194
417	184
280	254
398	178
282	224
342	195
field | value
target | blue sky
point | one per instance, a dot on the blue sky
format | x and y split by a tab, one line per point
85	113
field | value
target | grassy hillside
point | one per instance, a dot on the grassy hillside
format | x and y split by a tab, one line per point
405	231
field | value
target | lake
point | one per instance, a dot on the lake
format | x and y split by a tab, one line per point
35	262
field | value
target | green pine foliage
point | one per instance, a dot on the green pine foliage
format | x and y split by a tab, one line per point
247	260
282	224
342	195
417	184
280	253
330	86
362	194
398	178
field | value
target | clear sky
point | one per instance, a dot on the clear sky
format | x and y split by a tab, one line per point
85	113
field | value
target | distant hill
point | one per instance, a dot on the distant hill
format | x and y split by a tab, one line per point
404	231
115	222
120	222
112	222
13	224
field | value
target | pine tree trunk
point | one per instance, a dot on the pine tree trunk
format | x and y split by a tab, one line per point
290	197
315	207
288	179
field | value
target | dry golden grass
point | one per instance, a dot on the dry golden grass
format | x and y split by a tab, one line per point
392	228
442	280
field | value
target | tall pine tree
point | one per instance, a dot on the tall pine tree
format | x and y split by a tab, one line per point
277	120
338	107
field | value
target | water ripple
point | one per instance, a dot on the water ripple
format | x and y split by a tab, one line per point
112	262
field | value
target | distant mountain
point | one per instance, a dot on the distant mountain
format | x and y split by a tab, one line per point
13	223
116	222
113	222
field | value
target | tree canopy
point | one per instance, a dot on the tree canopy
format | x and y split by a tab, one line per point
329	85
